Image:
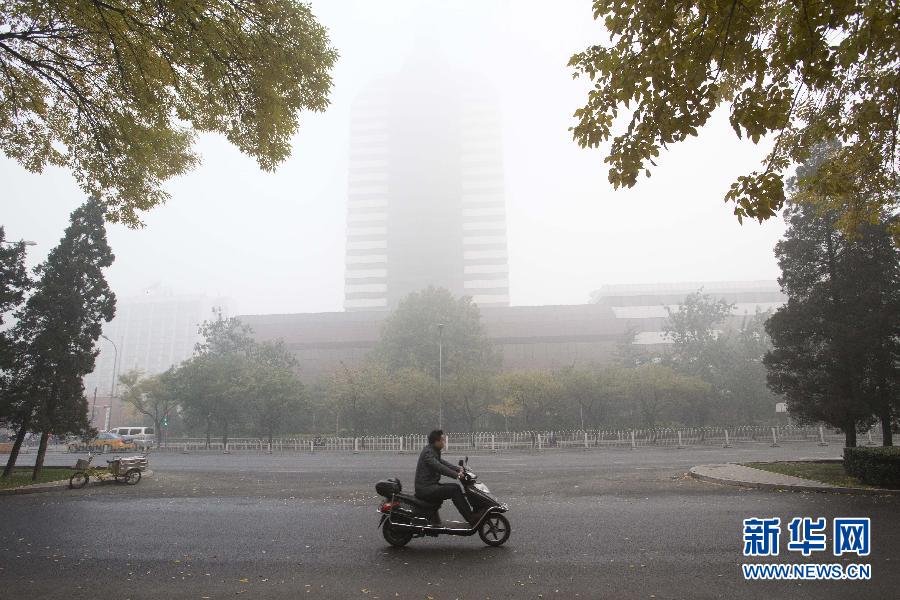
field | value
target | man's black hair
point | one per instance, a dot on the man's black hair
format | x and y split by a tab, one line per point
435	435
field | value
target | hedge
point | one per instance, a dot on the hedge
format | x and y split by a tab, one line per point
874	466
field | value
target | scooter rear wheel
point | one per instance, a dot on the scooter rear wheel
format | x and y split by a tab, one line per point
494	530
394	536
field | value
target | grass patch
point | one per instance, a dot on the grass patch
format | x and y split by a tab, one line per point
22	477
832	473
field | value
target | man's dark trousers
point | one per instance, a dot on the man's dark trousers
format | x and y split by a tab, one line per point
446	491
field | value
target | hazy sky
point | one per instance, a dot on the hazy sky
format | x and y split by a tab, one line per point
275	242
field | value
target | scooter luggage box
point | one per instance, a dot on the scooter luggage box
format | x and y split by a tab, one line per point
388	487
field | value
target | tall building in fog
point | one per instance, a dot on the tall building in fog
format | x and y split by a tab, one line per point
425	194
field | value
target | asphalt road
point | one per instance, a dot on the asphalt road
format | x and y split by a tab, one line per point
598	524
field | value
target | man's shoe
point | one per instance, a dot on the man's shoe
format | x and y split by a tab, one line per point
436	518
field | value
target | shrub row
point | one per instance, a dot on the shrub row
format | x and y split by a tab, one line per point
874	466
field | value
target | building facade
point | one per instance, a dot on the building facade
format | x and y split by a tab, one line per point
644	307
425	198
526	337
152	333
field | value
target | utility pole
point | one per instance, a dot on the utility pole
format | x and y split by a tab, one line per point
354	397
441	375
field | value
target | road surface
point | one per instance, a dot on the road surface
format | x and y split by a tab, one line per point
609	523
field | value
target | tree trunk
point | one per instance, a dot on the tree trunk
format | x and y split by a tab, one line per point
158	424
39	461
850	436
208	433
17	445
225	435
887	436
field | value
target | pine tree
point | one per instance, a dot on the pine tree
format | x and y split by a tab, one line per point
59	326
14	281
836	349
14	284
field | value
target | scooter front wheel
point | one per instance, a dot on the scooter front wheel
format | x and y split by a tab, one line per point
494	530
394	536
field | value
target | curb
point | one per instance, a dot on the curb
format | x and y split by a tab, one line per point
813	486
50	486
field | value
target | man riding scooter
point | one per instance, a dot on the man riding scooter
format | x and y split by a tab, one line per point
404	517
428	475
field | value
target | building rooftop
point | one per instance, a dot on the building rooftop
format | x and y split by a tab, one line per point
685	287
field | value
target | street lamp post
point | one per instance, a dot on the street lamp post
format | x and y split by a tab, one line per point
112	388
93	405
440	375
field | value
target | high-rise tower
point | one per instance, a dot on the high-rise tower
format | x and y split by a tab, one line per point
425	197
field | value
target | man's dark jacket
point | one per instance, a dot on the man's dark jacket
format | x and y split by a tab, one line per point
430	468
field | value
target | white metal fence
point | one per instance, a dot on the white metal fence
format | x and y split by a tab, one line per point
529	440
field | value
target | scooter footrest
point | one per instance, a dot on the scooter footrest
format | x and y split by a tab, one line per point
456	525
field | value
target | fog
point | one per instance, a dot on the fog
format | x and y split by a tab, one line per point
274	242
437	329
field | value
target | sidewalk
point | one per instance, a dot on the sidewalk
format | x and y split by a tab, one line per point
50	486
739	475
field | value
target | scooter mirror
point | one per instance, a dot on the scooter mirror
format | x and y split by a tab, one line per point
467	460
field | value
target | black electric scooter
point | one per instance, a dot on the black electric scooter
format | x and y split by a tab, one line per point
403	516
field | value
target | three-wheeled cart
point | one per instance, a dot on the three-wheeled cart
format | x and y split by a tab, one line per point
127	469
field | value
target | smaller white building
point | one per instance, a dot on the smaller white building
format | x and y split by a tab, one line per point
645	306
151	332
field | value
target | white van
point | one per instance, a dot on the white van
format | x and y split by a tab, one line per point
143	437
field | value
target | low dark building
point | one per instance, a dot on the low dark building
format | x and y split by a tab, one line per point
528	337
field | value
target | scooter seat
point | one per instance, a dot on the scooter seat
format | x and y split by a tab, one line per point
418	502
